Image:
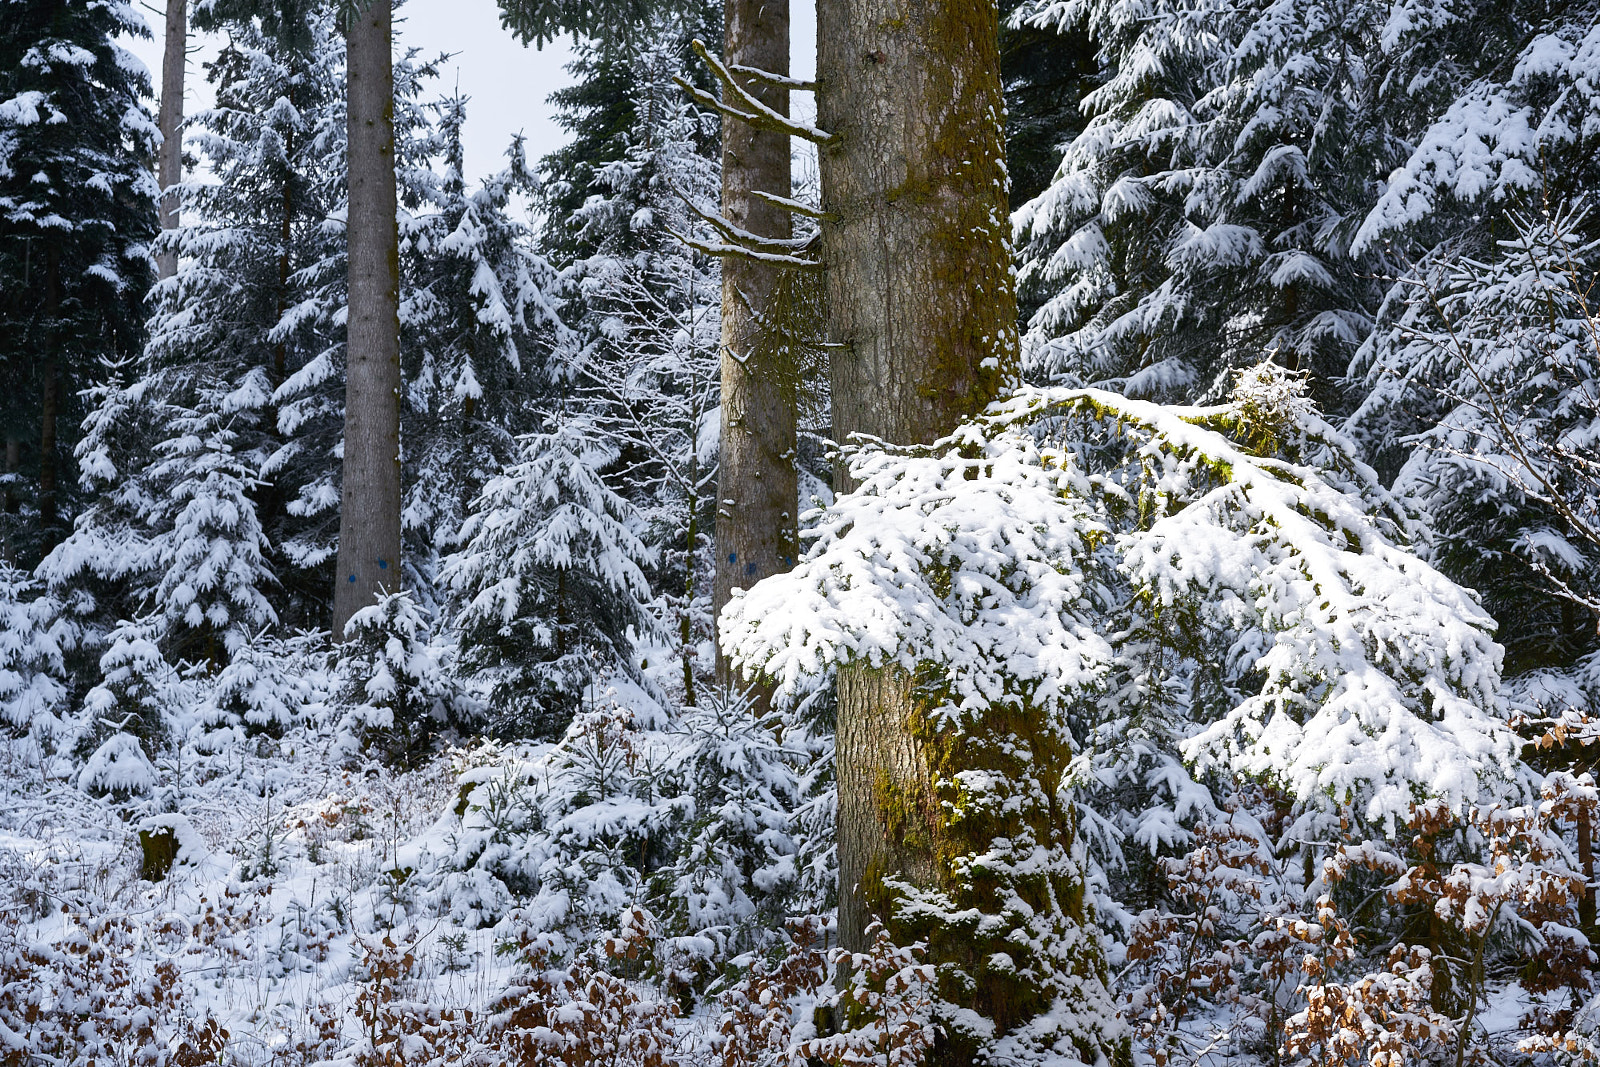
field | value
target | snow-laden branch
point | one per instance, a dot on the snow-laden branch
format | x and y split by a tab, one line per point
740	104
1359	674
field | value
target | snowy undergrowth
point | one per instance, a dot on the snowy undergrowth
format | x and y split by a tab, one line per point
319	897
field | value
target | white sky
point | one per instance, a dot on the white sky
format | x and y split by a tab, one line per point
507	83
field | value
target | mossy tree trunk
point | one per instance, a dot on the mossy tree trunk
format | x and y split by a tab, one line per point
757	491
922	304
369	505
920	298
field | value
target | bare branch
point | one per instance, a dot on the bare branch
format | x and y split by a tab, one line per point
794	206
740	104
753	241
727	251
777	81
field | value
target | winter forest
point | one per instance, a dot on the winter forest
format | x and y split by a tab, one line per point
1070	539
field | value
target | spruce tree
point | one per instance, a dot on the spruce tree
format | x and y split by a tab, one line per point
1204	217
77	215
643	309
479	329
551	582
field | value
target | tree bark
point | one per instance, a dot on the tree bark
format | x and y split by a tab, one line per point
757	531
923	315
169	169
921	299
50	400
12	502
369	506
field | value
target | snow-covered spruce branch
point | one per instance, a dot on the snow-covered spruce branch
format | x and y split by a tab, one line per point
1357	673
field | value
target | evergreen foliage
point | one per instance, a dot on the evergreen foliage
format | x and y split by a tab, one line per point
550	576
478	329
77	215
399	693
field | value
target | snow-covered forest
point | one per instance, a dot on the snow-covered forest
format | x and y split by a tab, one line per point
1072	538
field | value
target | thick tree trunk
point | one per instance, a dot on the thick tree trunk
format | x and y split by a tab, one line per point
169	169
920	296
369	507
757	490
921	299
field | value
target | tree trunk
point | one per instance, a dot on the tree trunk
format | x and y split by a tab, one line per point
12	502
49	409
50	401
922	311
920	296
369	506
1586	909
757	531
169	169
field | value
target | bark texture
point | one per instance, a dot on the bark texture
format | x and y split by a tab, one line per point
11	503
921	299
369	506
757	488
169	167
50	402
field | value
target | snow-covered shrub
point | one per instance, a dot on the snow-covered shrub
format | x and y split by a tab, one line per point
118	768
1212	949
1500	879
89	998
260	691
885	1013
32	668
582	1012
551	581
764	1016
572	835
399	692
137	694
729	884
395	1027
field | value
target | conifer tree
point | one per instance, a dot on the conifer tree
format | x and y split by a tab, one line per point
921	296
1499	358
77	214
551	582
1204	217
370	503
643	307
252	318
480	329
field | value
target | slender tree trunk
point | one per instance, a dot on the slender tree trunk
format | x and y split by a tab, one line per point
920	296
280	351
49	409
50	400
757	529
369	507
12	502
169	170
1586	909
